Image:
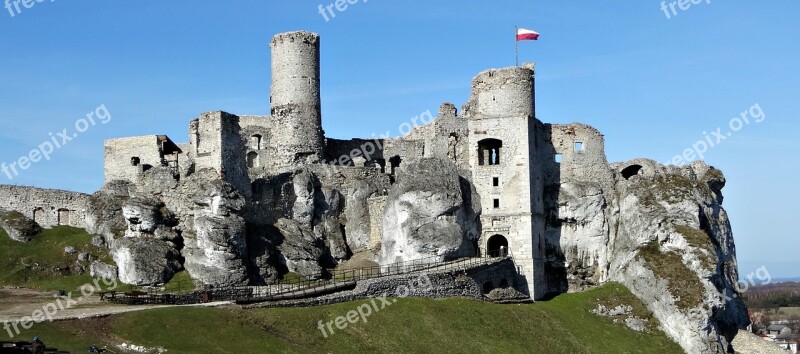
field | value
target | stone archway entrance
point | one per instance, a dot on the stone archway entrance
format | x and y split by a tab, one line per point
497	246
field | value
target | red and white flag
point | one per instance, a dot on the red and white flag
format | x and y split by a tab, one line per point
527	35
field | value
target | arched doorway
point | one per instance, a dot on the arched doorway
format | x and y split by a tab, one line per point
252	159
497	246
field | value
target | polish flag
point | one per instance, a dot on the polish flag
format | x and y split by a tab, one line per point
527	35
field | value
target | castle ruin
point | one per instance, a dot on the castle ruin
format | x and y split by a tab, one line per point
495	141
249	199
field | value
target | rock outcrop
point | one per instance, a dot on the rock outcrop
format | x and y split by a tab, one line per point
145	261
101	270
426	216
663	233
104	214
18	227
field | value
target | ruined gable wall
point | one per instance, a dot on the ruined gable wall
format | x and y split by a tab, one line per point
586	165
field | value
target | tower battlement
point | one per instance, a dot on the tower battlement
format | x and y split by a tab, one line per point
507	92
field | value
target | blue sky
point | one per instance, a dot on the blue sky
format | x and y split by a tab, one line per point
653	85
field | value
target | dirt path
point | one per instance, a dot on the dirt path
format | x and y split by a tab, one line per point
18	303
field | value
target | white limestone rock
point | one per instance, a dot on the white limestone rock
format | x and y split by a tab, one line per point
426	215
101	270
215	237
104	210
145	261
301	251
677	211
216	249
143	215
356	214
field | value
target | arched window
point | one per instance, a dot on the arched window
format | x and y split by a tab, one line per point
252	159
489	151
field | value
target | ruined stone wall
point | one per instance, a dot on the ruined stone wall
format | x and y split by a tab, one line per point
446	137
118	155
401	150
255	137
344	152
217	140
48	207
295	100
582	153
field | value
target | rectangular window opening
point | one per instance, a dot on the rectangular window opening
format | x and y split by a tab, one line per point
495	182
579	146
559	158
497	203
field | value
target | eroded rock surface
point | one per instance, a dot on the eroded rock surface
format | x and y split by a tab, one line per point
426	216
18	227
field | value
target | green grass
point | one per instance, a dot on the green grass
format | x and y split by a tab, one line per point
701	240
683	282
562	325
41	264
180	283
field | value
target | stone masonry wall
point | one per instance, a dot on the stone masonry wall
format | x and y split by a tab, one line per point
119	152
48	207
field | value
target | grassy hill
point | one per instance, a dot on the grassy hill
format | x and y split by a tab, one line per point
562	325
42	264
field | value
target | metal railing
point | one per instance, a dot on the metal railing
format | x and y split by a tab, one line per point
337	280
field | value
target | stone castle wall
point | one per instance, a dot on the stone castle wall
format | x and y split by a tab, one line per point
119	157
579	148
48	207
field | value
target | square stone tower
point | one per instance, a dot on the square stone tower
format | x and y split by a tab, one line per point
503	160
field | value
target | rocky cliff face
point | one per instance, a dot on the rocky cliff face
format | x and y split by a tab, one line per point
659	230
663	233
429	216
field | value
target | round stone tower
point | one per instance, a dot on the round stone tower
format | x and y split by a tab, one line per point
297	135
507	92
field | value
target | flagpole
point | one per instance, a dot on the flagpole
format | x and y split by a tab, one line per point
516	46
